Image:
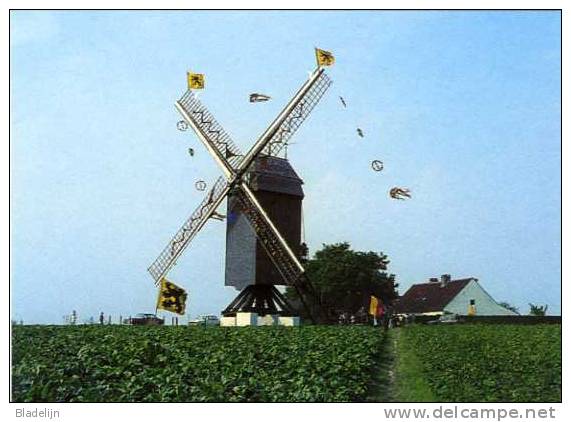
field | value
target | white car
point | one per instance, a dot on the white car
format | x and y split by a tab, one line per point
205	320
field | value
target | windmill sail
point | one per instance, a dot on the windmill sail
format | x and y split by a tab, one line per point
284	123
209	130
270	142
277	249
191	226
298	115
236	168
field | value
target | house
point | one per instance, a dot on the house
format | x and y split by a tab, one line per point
464	296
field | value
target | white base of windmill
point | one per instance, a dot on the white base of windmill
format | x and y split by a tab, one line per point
244	319
227	321
247	319
289	321
268	320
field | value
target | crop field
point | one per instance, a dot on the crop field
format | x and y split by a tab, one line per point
444	363
487	363
192	364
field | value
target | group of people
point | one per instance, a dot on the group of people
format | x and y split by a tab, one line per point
385	317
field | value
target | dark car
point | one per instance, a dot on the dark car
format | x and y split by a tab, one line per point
146	319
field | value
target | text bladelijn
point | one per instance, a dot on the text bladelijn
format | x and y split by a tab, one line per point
37	413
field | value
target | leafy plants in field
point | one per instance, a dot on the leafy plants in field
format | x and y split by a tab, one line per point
198	364
489	363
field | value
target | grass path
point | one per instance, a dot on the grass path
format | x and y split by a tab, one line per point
410	384
398	377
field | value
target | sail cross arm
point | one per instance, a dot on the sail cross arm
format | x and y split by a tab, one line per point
191	226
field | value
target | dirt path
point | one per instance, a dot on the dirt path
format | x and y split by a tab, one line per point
382	387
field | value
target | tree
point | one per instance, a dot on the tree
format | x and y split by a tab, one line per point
537	310
345	279
509	307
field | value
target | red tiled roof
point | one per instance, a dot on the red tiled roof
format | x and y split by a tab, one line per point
429	297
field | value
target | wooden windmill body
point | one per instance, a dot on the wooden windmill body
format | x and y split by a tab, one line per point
249	268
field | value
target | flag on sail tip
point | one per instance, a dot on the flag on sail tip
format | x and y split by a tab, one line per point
324	58
195	80
171	298
373	306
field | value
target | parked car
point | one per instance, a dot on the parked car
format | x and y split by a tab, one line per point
146	319
205	320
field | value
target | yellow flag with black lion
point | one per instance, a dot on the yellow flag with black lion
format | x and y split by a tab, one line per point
195	80
171	298
324	58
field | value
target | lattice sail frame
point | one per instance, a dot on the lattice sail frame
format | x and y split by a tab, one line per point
191	226
225	148
298	115
234	166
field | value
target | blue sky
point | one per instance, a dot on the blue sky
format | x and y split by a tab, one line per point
463	108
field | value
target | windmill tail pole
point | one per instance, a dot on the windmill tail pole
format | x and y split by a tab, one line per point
310	300
307	307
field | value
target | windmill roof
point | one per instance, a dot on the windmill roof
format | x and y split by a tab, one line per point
430	297
275	174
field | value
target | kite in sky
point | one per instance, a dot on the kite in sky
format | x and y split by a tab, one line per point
399	193
377	165
200	185
256	98
182	125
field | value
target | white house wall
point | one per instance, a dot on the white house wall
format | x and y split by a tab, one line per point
485	304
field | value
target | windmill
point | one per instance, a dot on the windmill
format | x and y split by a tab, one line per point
236	184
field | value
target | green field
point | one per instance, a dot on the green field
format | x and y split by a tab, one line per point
184	364
479	363
443	363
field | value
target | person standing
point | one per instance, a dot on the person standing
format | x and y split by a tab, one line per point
381	314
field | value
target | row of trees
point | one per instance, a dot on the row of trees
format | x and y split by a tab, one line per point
534	310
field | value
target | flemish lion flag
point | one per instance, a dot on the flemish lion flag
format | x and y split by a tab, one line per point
195	80
373	306
171	298
324	58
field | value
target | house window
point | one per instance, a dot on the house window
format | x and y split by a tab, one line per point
472	307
